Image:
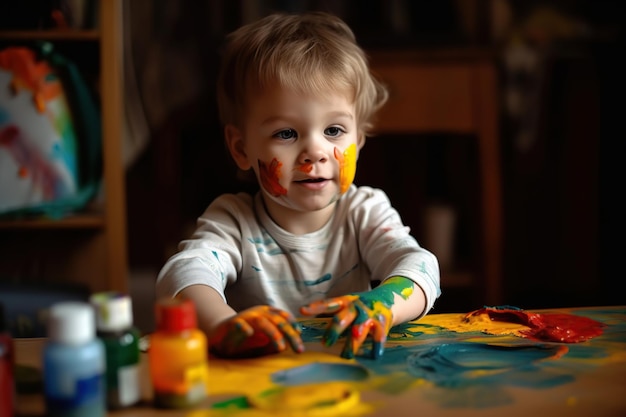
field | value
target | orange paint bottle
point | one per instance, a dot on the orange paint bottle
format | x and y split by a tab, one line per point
178	356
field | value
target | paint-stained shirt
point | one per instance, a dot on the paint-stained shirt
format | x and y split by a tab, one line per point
240	252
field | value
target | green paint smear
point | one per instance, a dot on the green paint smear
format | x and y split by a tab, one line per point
237	403
384	293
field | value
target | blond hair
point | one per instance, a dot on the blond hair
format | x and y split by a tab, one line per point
314	52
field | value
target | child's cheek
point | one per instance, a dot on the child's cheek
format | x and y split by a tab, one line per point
270	177
347	166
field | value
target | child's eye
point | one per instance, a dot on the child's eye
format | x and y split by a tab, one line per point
286	134
333	131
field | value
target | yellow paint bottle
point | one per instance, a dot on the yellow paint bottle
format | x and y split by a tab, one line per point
178	356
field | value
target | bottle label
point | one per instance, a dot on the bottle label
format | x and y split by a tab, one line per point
83	396
191	392
128	384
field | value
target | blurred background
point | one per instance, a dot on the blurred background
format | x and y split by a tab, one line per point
555	104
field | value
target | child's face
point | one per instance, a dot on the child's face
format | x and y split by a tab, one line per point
302	148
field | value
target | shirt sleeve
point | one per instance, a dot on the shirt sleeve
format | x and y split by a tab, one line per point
212	255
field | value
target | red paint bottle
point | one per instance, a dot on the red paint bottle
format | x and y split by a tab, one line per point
7	369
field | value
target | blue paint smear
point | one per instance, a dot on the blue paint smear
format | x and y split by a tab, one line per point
465	373
320	372
323	278
456	364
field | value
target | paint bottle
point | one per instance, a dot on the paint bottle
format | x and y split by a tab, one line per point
7	369
74	363
114	326
178	356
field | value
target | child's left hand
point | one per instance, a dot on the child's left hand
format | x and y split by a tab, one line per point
257	331
362	313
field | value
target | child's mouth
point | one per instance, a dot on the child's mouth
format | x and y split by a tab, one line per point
312	180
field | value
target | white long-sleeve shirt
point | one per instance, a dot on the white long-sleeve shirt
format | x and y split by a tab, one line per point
240	252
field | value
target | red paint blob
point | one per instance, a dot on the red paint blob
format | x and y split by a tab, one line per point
554	327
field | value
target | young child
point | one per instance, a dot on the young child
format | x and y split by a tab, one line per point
297	101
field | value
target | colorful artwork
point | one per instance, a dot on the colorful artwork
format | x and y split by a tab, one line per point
38	145
440	362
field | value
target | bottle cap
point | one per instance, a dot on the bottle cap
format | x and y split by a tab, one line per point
175	314
114	311
71	322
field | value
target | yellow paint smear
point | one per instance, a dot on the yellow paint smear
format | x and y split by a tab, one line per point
251	378
323	399
457	323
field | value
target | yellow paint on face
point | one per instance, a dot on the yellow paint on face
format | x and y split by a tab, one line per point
347	166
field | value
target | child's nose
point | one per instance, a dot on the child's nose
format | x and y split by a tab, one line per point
314	152
315	156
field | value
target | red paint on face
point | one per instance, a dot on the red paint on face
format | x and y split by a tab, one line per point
270	176
306	168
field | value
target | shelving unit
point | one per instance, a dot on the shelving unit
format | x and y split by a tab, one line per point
88	248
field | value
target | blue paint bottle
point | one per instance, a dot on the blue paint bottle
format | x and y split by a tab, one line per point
74	363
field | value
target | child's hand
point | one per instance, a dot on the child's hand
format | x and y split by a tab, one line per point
362	313
257	331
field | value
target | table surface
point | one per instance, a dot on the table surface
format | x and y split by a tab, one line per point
440	365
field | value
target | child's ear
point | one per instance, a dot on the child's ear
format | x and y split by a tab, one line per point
235	143
360	142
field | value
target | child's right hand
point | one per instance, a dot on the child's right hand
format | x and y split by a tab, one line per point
256	331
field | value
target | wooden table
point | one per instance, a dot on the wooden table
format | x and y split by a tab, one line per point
427	369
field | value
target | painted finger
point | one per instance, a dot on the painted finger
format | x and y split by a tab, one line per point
232	343
289	318
328	306
379	332
340	322
355	338
273	332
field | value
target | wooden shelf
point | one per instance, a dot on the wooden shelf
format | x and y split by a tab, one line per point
51	35
89	247
74	221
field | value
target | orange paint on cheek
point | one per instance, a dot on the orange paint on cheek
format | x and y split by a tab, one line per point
270	176
347	166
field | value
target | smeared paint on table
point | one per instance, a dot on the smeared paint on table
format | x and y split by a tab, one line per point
443	364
